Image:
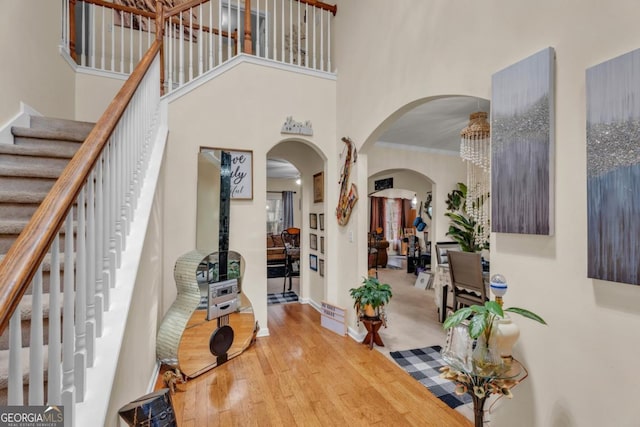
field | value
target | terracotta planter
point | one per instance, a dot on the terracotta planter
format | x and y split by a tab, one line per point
369	311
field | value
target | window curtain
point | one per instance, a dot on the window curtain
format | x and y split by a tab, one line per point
378	215
405	215
287	208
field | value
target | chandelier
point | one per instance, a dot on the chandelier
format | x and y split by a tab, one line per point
475	150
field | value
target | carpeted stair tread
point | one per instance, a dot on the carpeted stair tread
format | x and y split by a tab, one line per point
9	195
52	123
4	365
9	167
51	134
65	151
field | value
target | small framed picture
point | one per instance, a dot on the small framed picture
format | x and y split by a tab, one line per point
321	267
321	244
321	221
313	262
313	221
318	187
313	241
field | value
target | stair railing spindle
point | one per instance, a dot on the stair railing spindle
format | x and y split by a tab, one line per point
179	39
93	36
122	42
101	303
328	42
80	363
16	396
113	40
190	44
36	345
54	383
91	269
68	327
102	38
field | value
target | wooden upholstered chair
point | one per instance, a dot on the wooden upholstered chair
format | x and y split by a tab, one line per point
465	270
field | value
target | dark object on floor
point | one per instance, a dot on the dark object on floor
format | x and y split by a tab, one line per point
282	298
154	409
171	378
276	271
424	365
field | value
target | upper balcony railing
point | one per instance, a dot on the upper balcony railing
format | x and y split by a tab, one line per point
198	35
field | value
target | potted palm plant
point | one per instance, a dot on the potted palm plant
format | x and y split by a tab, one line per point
370	298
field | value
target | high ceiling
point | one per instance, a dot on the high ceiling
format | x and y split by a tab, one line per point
432	126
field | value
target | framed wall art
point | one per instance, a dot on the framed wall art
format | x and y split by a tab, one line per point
613	169
313	241
313	221
313	262
318	187
321	219
241	172
321	244
321	267
522	146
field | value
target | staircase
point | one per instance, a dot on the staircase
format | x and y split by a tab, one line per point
28	169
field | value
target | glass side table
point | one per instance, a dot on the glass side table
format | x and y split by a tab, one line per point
480	384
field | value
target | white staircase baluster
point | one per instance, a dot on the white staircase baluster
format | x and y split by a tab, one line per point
306	35
54	383
328	41
113	40
211	53
200	45
15	396
170	61
132	17
298	53
36	345
219	32
110	226
83	35
93	35
102	37
322	39
101	303
239	37
290	32
180	39
274	41
190	44
282	35
257	36
315	67
140	30
80	364
68	328
122	42
91	269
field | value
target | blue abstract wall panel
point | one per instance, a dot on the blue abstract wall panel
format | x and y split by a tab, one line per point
613	169
522	146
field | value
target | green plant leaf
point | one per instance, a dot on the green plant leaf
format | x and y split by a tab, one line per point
457	317
526	313
494	308
478	324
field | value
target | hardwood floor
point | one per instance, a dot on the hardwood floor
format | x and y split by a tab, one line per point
305	375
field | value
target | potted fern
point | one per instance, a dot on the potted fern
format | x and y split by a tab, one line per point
370	298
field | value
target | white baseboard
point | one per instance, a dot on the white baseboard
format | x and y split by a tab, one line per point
263	332
356	334
154	377
23	118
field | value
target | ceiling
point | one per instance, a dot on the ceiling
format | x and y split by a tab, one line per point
432	126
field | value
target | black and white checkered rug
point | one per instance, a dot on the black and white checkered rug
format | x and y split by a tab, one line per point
282	298
424	365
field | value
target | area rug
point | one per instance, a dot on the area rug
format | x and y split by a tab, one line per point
282	298
424	365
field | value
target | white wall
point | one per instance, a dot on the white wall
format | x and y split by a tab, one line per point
438	48
94	93
29	38
243	108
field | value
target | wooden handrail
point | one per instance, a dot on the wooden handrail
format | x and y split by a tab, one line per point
121	8
19	265
181	8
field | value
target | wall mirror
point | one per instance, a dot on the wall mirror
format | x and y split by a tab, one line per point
211	320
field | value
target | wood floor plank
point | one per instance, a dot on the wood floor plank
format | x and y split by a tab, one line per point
304	375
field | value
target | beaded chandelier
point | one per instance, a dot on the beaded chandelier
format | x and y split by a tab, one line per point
475	150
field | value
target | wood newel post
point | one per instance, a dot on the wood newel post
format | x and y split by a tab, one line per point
72	30
247	28
159	38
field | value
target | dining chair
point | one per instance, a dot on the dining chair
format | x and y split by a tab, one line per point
465	270
291	239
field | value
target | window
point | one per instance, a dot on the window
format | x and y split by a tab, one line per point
274	213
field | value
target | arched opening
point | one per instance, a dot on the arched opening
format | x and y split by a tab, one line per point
295	263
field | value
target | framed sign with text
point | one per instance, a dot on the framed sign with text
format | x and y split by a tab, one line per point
241	172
